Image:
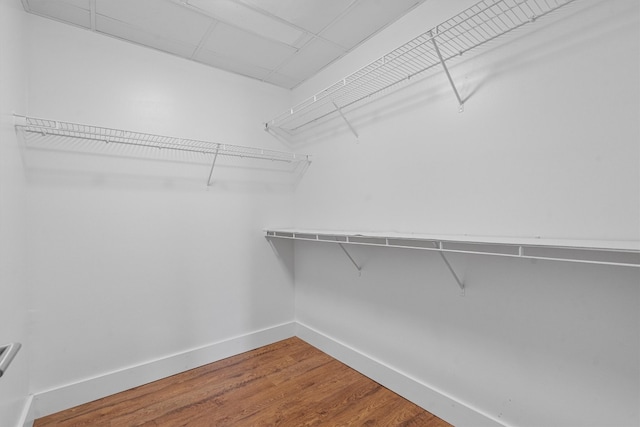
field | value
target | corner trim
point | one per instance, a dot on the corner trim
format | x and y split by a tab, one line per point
26	417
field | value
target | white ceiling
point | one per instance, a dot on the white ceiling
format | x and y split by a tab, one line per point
283	42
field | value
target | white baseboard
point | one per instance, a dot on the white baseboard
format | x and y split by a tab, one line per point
70	395
434	401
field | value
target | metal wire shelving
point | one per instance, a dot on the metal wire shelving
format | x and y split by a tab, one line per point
623	253
475	26
47	127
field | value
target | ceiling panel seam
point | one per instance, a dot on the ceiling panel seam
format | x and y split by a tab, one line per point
92	5
282	42
204	39
338	18
232	24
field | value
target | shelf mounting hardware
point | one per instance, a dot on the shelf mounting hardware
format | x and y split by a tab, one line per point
451	270
339	110
355	264
213	164
273	132
7	354
446	70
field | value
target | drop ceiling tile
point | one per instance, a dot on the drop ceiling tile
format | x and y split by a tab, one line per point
163	18
364	19
270	40
82	4
311	15
306	38
128	32
242	46
281	80
211	58
310	59
250	19
72	11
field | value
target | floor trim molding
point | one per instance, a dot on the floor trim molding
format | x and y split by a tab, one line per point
64	397
67	396
423	395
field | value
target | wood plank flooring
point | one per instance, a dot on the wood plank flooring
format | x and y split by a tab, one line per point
289	383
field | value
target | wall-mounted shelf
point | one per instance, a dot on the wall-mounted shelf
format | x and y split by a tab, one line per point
483	22
45	127
625	253
620	253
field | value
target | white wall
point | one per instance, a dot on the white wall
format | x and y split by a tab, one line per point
548	146
132	257
13	291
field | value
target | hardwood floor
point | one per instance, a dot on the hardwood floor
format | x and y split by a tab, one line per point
289	383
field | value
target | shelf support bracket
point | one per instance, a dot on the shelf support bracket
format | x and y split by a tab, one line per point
339	110
7	353
451	270
446	71
355	264
213	164
272	131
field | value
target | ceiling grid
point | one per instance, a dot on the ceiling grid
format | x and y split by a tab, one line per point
282	42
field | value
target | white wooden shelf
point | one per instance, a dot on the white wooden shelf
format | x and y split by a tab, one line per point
618	253
102	135
475	26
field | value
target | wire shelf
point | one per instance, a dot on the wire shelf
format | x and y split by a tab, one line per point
625	253
52	130
118	136
477	25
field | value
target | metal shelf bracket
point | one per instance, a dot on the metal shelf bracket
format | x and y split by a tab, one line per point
355	264
277	136
451	270
446	71
339	110
7	354
213	164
